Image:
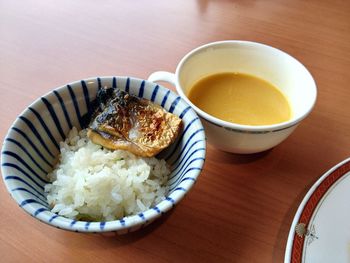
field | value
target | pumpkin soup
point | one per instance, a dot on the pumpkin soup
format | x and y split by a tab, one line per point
240	98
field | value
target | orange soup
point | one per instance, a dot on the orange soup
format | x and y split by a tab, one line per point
240	98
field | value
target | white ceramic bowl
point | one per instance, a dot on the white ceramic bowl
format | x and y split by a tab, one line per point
30	149
265	62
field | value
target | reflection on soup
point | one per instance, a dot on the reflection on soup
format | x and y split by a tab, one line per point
240	98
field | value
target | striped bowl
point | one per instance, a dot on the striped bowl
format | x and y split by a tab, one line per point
31	149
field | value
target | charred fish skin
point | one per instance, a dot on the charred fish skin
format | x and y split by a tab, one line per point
103	96
124	121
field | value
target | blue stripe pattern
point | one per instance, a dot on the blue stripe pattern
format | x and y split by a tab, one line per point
28	201
41	198
127	86
188	179
40	210
172	201
186	132
154	93
76	105
157	209
184	112
25	164
86	96
22	172
52	218
187	163
37	135
173	105
178	178
43	124
180	189
141	90
27	154
183	155
14	155
165	98
64	109
19	179
31	147
54	117
142	216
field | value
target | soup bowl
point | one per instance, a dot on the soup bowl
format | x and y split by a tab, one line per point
31	148
263	61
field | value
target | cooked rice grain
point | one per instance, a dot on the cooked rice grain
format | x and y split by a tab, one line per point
93	183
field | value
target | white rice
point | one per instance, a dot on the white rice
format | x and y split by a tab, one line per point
94	183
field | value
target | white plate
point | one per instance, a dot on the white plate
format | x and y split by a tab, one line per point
320	231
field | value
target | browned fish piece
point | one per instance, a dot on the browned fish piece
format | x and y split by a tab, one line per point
126	122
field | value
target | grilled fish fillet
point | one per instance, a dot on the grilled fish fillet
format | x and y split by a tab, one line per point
126	122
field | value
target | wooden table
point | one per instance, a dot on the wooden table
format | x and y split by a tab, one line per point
241	207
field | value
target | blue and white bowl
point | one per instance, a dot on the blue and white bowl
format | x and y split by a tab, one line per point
31	149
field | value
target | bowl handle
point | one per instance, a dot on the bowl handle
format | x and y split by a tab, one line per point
162	76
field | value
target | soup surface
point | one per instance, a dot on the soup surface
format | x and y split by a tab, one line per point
240	98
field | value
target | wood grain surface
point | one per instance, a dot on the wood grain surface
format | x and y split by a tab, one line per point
241	207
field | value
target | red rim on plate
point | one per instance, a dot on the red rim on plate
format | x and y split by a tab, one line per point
307	208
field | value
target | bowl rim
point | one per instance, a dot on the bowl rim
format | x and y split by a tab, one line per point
120	225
